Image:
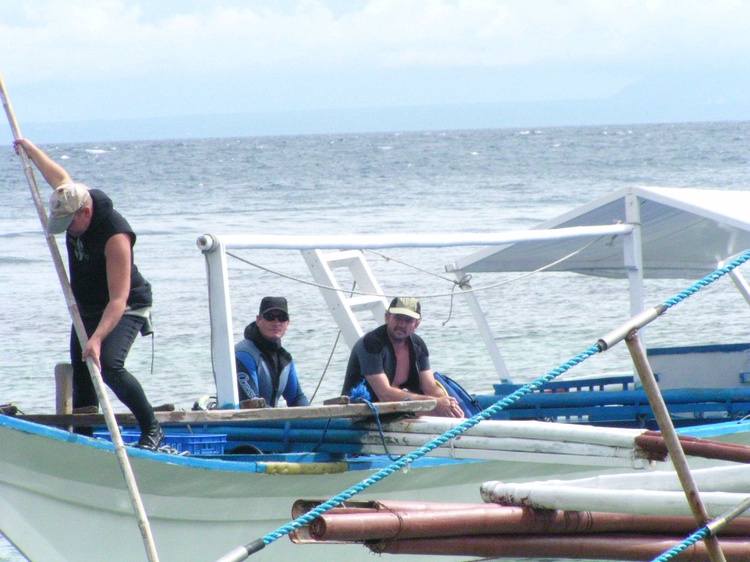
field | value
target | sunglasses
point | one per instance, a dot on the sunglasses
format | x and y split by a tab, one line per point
280	316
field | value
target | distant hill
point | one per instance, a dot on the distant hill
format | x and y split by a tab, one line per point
645	104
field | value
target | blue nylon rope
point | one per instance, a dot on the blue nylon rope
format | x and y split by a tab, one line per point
361	393
700	534
322	435
707	280
404	461
380	428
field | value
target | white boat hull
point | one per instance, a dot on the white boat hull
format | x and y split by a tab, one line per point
63	497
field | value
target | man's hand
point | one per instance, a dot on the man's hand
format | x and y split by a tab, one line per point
26	144
93	349
447	407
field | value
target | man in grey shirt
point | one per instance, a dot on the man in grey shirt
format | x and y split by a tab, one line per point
393	362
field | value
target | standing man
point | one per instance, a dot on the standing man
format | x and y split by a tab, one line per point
394	364
112	296
264	368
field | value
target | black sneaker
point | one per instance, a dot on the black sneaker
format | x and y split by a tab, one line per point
8	409
152	438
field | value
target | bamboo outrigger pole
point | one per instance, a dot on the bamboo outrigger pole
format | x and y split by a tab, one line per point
96	376
672	442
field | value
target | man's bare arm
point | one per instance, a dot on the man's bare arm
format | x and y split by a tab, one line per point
446	406
51	170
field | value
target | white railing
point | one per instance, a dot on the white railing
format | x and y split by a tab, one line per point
214	248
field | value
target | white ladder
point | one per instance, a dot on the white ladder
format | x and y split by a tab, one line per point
343	306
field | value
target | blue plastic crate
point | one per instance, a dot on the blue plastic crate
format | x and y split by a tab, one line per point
193	443
197	443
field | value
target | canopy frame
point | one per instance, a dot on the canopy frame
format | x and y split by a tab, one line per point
706	226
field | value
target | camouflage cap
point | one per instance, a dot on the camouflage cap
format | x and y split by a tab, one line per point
63	204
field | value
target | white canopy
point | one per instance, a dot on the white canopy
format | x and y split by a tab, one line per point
685	234
678	233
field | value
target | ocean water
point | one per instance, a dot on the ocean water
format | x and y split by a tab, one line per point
425	182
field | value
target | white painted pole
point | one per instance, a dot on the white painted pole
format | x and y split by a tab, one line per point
406	240
480	318
222	338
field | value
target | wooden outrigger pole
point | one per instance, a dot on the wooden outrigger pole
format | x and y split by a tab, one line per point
629	333
96	376
671	440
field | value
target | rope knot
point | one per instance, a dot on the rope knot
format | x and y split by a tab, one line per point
465	282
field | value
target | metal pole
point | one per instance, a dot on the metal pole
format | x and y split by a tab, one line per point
101	392
646	374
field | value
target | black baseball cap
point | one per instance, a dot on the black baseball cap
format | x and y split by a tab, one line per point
273	303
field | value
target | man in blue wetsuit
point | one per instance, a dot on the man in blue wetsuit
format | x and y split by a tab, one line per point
394	364
264	368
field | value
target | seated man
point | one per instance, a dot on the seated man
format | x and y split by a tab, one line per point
264	368
394	364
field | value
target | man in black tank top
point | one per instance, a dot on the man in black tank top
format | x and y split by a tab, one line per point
112	296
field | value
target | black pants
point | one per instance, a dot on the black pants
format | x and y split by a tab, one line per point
115	348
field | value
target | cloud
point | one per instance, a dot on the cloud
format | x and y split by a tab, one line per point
84	39
312	53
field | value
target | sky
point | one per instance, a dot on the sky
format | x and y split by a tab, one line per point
299	66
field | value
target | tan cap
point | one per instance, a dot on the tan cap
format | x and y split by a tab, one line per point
63	204
407	306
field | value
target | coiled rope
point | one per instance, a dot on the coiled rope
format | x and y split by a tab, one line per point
406	460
